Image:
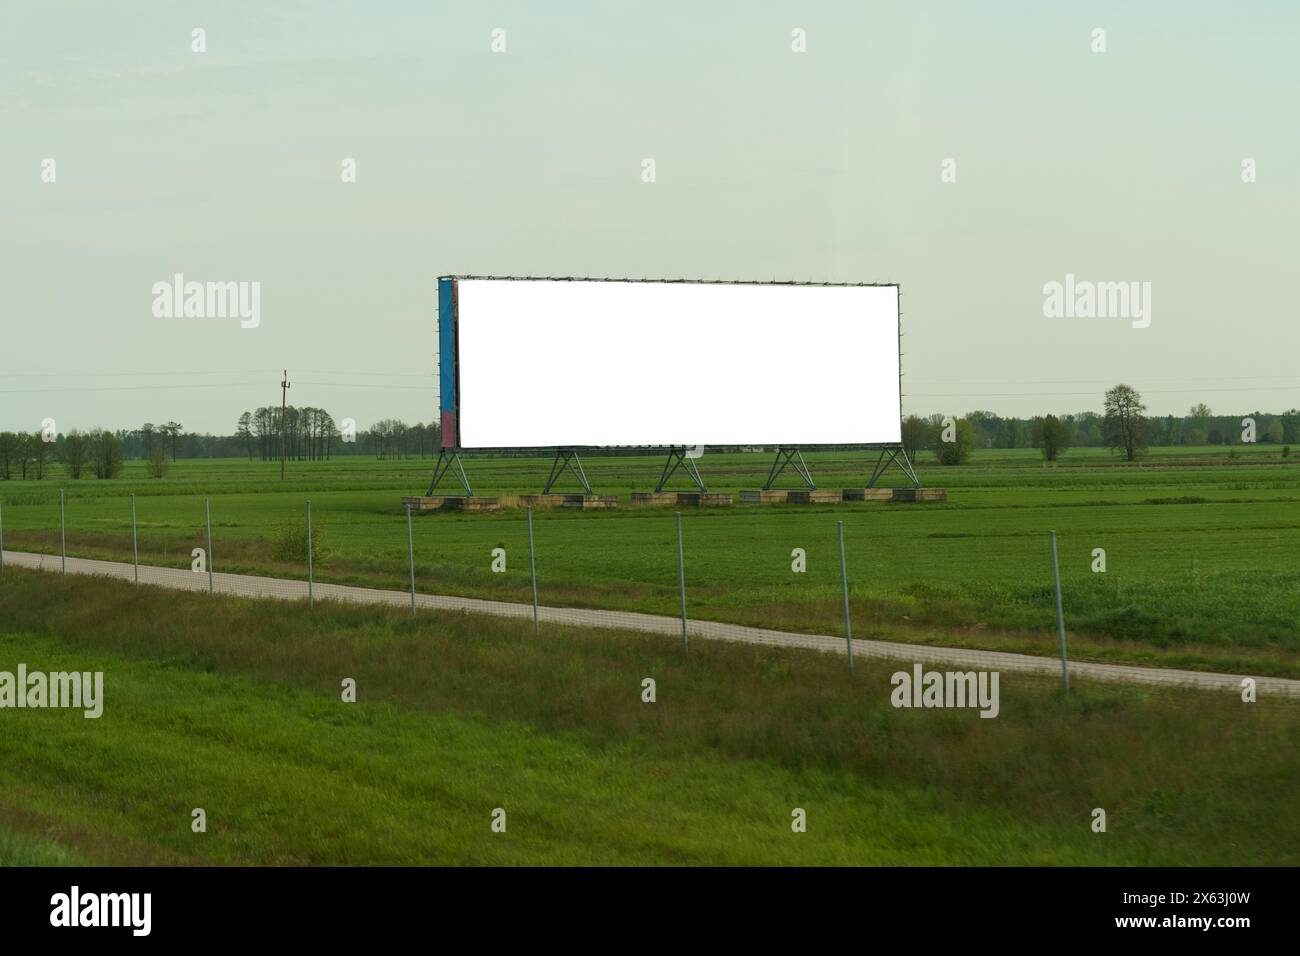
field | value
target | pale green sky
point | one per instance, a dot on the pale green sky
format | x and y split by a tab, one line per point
824	165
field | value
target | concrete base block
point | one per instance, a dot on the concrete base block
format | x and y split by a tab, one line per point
591	502
816	497
703	499
868	494
654	499
764	497
451	503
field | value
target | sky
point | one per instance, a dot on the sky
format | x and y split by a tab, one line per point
831	163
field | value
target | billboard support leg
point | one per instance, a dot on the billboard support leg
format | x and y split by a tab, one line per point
897	456
677	458
443	467
567	458
792	458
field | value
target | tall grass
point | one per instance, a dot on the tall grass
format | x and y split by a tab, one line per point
234	705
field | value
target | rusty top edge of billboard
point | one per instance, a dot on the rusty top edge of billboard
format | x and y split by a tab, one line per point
791	282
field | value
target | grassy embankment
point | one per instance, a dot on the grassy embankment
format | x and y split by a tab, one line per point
234	706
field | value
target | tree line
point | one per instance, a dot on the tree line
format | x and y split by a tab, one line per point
313	434
308	434
29	455
1122	425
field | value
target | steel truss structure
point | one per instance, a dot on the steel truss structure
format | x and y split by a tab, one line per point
789	458
897	456
677	458
447	457
567	458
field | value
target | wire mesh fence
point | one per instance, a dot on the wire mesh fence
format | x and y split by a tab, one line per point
816	577
905	575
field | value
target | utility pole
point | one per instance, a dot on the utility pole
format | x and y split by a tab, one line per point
284	390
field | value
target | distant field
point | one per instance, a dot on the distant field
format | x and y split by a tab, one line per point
1202	549
233	706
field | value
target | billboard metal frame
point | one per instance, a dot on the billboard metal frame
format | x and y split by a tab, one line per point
789	458
449	381
680	457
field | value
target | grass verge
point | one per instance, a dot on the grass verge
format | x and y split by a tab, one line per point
234	706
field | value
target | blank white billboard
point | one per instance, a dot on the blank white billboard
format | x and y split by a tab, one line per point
543	363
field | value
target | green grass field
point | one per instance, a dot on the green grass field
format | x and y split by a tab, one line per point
1202	549
234	706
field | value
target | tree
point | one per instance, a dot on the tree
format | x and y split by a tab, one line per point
388	435
39	452
917	434
245	433
24	452
1291	425
157	463
1052	435
1173	430
987	426
172	431
74	453
264	430
1197	426
148	435
326	431
1124	425
957	451
10	450
105	453
1013	433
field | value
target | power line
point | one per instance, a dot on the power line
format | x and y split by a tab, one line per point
1100	381
1145	391
154	388
232	371
172	371
420	388
131	388
352	371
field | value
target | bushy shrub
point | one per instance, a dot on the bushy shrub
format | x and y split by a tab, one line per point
291	544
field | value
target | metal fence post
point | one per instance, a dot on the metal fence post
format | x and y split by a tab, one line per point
63	546
207	517
532	565
311	600
1060	615
410	556
681	576
844	584
135	545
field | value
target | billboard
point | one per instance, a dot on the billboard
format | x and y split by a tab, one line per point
572	363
